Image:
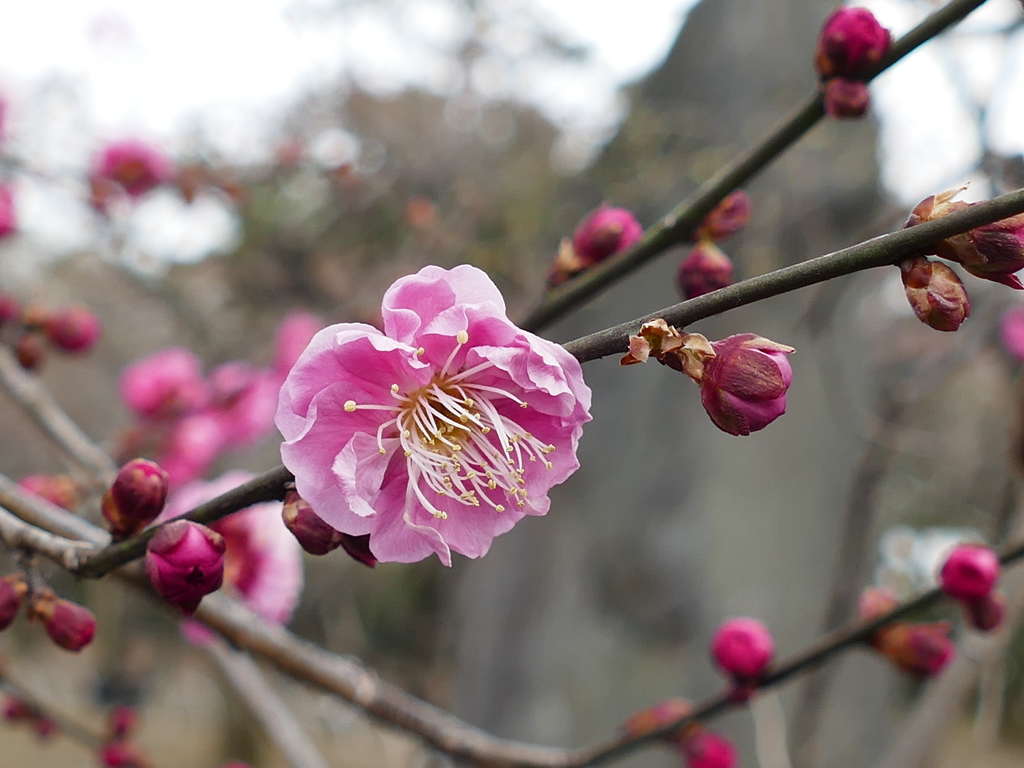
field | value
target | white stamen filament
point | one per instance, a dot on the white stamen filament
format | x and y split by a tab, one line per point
455	441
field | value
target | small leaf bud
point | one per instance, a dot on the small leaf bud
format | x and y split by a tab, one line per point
29	351
728	217
185	562
659	715
135	499
935	293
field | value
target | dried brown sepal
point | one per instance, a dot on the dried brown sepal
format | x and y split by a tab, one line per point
684	352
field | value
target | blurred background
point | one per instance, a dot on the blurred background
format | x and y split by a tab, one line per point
323	148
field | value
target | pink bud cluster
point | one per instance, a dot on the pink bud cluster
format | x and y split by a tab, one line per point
992	252
188	420
743	379
706	268
969	576
118	750
17	711
698	747
601	234
68	624
27	330
850	47
922	649
317	537
743	648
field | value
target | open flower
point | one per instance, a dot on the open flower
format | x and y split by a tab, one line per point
439	433
262	560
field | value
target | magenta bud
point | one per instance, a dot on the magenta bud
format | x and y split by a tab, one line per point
920	649
68	624
728	217
12	591
313	534
743	648
970	573
10	309
185	562
851	44
121	754
604	232
744	385
846	99
704	269
75	329
8	216
707	749
134	165
136	498
122	721
935	293
987	613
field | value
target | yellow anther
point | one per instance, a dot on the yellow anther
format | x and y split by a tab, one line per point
523	405
420	351
350	405
406	434
499	508
486	430
383	452
394	389
462	337
408	454
548	464
468	402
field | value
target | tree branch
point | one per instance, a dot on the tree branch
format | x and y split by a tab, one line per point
678	226
877	252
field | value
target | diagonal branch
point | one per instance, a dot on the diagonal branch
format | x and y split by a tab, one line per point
678	226
877	252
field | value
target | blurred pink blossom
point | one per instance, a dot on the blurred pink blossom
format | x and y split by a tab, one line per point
167	383
138	167
293	336
8	216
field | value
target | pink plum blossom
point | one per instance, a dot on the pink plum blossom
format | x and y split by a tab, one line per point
439	433
193	445
8	216
135	165
262	561
167	383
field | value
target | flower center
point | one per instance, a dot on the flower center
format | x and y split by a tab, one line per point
457	443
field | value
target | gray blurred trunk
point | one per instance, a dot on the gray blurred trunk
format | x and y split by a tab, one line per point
576	620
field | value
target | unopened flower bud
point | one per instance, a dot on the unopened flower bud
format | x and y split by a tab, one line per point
12	591
16	710
851	44
970	573
185	562
875	602
921	649
8	216
133	164
604	232
707	749
992	251
744	385
135	499
743	648
656	717
121	722
69	625
122	754
935	293
75	329
846	99
728	217
61	490
987	613
706	268
44	727
358	548
313	534
10	309
28	349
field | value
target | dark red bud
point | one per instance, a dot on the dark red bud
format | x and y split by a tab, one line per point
987	613
122	722
74	330
136	498
12	591
68	624
846	99
935	293
313	534
29	351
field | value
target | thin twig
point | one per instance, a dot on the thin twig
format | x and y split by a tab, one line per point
878	252
678	226
266	706
51	418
